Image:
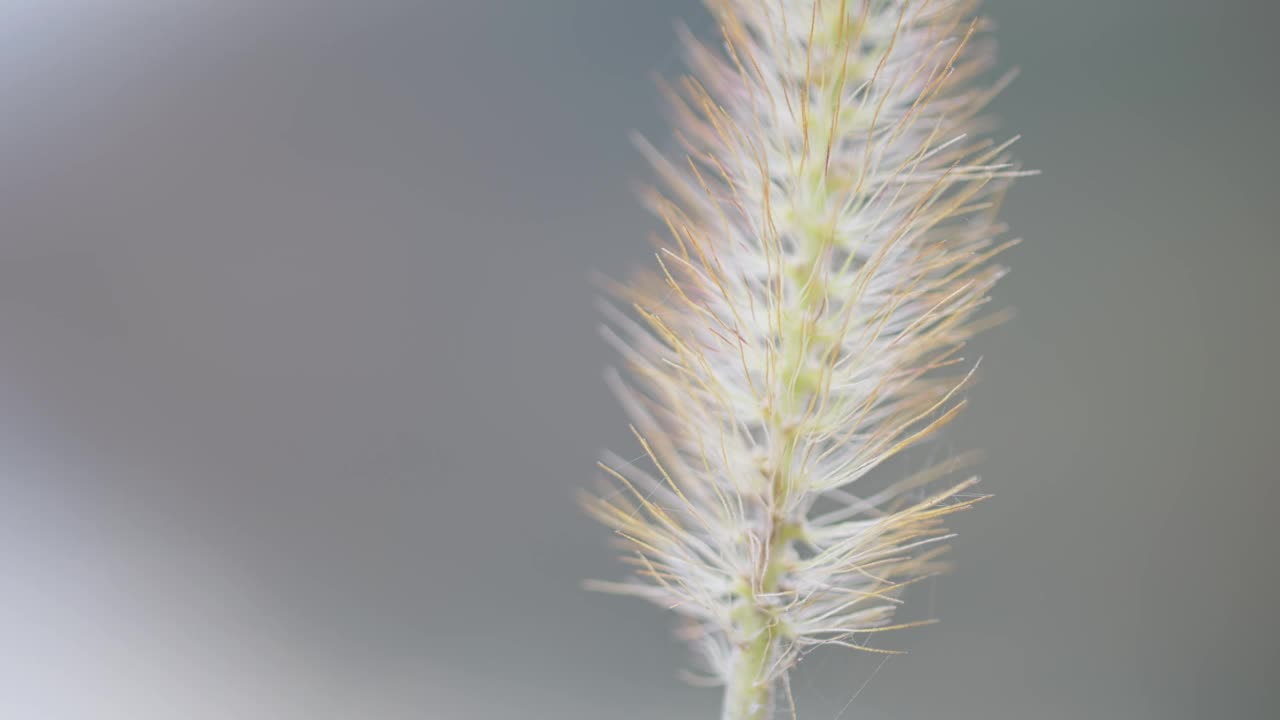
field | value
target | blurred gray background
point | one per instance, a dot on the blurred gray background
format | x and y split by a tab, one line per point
299	373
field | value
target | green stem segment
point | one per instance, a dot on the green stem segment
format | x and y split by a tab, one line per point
749	693
752	677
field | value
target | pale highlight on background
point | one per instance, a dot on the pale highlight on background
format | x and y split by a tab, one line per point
298	368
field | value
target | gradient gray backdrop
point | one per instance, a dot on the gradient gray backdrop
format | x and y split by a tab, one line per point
299	373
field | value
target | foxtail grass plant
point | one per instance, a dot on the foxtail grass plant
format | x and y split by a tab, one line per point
830	222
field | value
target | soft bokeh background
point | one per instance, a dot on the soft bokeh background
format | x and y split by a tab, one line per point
298	368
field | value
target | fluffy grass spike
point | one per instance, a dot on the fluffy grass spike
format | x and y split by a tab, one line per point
830	221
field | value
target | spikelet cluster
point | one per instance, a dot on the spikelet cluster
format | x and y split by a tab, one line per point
830	217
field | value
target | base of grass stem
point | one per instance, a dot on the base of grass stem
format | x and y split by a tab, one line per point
749	696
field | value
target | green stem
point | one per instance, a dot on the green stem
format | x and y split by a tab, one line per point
749	693
748	696
752	677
